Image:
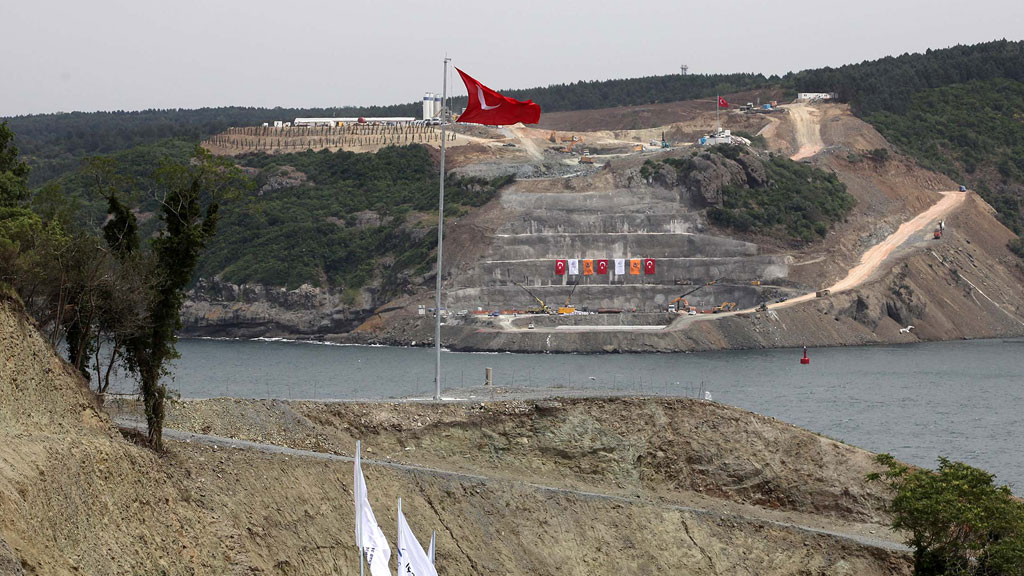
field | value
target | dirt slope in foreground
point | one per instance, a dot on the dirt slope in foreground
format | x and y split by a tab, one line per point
76	498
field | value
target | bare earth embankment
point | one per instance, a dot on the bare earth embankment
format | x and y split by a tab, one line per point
627	486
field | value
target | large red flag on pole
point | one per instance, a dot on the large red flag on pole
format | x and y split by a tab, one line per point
488	107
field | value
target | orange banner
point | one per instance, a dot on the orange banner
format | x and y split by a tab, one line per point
636	266
588	267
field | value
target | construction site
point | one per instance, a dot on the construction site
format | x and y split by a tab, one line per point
589	197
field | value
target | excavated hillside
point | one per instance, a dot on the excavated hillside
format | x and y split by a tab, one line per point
909	278
552	487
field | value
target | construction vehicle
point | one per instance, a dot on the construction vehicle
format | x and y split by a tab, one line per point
586	158
822	293
755	282
673	307
937	234
724	307
762	307
566	308
543	309
638	147
664	143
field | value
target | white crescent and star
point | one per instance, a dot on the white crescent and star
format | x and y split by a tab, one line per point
483	102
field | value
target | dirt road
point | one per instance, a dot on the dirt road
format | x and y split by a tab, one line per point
223	442
874	257
528	144
807	128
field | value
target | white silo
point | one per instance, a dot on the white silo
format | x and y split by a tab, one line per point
437	105
428	106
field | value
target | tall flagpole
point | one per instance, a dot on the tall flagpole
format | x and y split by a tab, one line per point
359	513
440	238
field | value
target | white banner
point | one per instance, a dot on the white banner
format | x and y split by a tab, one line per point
620	266
574	267
412	560
369	536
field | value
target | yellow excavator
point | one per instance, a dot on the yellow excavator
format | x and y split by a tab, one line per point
543	309
672	307
566	308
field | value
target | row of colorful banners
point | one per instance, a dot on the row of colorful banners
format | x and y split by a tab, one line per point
590	267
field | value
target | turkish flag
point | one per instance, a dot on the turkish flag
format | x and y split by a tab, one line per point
488	107
560	267
602	266
648	265
634	266
588	267
722	103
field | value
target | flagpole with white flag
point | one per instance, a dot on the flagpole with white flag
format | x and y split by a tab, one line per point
412	560
440	239
369	538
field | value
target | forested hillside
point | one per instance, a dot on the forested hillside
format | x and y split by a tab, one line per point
958	111
54	144
307	217
972	132
888	84
355	215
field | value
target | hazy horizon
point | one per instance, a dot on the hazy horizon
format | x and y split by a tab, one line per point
116	55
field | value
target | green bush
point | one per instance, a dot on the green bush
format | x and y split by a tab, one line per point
799	202
956	520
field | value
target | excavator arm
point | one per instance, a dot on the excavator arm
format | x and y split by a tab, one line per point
543	307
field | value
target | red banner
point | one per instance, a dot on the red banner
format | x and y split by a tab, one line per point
602	266
560	267
648	265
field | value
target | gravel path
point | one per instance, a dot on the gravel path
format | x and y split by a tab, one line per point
222	442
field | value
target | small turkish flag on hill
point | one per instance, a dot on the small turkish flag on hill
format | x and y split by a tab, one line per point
488	107
722	103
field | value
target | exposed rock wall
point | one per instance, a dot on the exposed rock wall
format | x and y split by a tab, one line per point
217	308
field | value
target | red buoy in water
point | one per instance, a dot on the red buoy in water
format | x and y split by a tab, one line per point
805	359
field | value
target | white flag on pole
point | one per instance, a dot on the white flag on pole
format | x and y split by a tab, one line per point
412	560
574	267
369	537
620	266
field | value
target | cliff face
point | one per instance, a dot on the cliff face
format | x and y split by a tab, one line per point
217	308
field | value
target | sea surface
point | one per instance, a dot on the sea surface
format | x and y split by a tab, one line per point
963	400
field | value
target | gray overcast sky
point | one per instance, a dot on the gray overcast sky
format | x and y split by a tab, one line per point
64	55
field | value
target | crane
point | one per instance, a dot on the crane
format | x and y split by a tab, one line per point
544	309
566	308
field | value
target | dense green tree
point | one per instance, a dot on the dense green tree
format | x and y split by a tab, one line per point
958	522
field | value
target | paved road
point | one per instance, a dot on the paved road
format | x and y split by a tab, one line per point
223	442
